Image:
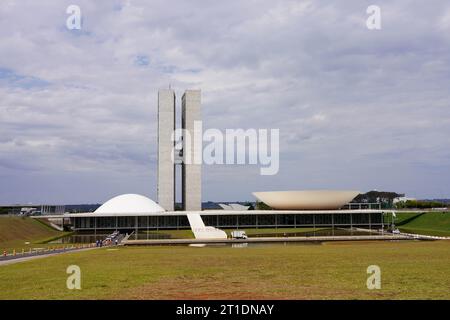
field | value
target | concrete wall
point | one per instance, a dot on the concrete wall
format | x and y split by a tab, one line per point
166	126
191	173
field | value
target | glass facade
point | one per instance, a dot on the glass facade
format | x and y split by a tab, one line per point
373	219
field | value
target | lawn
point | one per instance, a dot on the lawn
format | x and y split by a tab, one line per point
24	233
174	234
404	217
334	270
430	223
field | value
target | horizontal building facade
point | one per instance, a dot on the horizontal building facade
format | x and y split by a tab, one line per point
344	218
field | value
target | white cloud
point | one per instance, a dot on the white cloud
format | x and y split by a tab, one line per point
355	108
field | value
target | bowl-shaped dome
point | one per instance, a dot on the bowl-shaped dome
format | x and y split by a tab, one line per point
306	200
129	203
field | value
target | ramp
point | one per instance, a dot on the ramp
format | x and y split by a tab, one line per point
201	231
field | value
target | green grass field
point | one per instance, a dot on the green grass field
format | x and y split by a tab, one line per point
430	223
409	270
15	232
404	217
334	270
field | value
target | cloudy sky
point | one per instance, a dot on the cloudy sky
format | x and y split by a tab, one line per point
356	108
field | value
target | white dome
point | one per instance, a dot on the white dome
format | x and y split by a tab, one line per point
129	203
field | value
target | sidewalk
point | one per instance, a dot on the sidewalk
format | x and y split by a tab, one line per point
10	259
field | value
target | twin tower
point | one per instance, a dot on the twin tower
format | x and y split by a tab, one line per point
191	183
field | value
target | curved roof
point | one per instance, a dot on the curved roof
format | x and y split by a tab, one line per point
129	203
307	199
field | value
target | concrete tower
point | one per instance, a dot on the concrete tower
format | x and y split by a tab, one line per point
191	169
166	167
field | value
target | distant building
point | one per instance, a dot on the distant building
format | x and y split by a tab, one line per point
233	206
384	198
32	209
